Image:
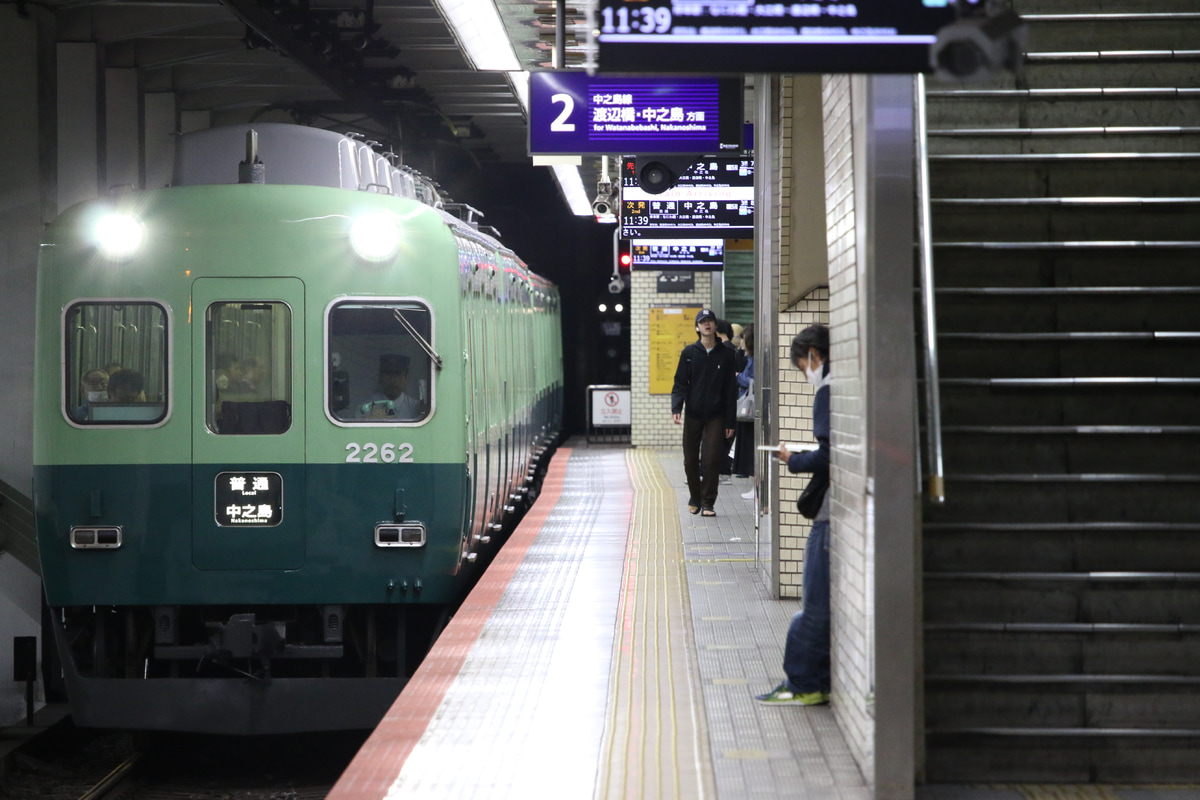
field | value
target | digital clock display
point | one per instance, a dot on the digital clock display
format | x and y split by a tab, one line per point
755	36
681	254
714	198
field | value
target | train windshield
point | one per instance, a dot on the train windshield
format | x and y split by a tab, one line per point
249	364
116	360
380	368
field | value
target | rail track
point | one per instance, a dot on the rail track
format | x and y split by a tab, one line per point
70	764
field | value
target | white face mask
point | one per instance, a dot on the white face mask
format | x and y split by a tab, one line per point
813	375
97	397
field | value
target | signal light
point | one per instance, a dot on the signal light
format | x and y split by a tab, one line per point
624	255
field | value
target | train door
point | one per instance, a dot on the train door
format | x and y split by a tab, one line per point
248	477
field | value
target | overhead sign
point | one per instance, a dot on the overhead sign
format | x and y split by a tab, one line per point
682	254
714	198
823	36
578	114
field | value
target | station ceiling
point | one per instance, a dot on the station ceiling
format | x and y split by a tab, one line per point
390	69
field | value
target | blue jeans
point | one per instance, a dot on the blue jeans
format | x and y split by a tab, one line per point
806	652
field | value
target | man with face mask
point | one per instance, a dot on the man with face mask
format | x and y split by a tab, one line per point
95	390
806	650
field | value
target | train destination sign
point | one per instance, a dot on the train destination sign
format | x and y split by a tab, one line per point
574	113
826	36
248	499
681	254
714	198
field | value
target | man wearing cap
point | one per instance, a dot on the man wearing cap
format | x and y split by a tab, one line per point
705	393
392	400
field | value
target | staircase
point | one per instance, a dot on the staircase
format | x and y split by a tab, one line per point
1062	574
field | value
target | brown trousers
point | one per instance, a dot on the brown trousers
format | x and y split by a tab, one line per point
704	447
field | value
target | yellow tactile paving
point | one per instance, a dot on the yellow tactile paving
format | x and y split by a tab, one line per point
656	741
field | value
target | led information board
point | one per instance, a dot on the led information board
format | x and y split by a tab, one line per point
572	112
714	198
671	330
828	36
248	498
683	254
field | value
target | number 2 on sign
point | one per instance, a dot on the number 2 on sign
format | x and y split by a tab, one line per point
371	453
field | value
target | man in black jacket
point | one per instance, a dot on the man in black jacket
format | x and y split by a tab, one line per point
705	392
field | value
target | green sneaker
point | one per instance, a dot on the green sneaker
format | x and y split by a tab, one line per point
781	695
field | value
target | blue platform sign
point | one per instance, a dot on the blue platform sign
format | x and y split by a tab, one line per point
577	114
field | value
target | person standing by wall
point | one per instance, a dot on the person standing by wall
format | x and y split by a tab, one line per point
806	649
705	395
743	453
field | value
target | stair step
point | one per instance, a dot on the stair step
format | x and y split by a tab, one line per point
1068	550
1090	679
1106	477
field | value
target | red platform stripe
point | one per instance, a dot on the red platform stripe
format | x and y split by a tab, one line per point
379	762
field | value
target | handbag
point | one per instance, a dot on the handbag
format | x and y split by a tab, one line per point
745	404
810	500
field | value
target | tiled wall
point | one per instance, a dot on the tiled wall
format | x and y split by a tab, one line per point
851	542
652	425
838	305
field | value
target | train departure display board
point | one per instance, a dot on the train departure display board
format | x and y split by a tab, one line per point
574	113
714	198
681	254
671	330
826	36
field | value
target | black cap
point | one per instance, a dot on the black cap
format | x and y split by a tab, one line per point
705	313
393	364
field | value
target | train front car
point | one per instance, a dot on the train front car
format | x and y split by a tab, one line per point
254	501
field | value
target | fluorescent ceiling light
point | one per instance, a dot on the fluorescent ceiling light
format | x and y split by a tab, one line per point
571	186
481	34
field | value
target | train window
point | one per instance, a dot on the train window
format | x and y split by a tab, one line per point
248	362
380	369
116	362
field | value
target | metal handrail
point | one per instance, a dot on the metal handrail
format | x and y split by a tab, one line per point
933	401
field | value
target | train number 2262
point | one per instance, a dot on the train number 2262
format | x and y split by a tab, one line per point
371	453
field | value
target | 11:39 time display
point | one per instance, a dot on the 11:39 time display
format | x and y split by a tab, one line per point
642	20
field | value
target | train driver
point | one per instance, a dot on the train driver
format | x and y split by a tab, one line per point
392	400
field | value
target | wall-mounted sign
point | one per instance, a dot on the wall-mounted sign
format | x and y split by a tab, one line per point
825	36
578	114
248	499
714	198
671	282
671	329
683	254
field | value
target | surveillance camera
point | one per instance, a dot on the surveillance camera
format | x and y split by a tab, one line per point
616	285
973	48
602	206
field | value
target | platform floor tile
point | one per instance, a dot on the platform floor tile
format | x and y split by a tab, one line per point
758	752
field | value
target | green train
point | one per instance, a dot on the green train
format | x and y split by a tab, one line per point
286	409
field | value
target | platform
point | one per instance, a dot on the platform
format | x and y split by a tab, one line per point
612	650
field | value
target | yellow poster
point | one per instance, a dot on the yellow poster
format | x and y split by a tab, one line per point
671	329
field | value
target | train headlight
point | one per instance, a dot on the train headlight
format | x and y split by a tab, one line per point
375	237
118	236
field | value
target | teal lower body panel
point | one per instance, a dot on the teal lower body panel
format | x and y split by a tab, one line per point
324	551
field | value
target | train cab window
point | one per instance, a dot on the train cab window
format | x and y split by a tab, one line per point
248	364
380	362
116	363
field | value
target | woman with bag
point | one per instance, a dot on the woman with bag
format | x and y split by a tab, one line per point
743	443
806	650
